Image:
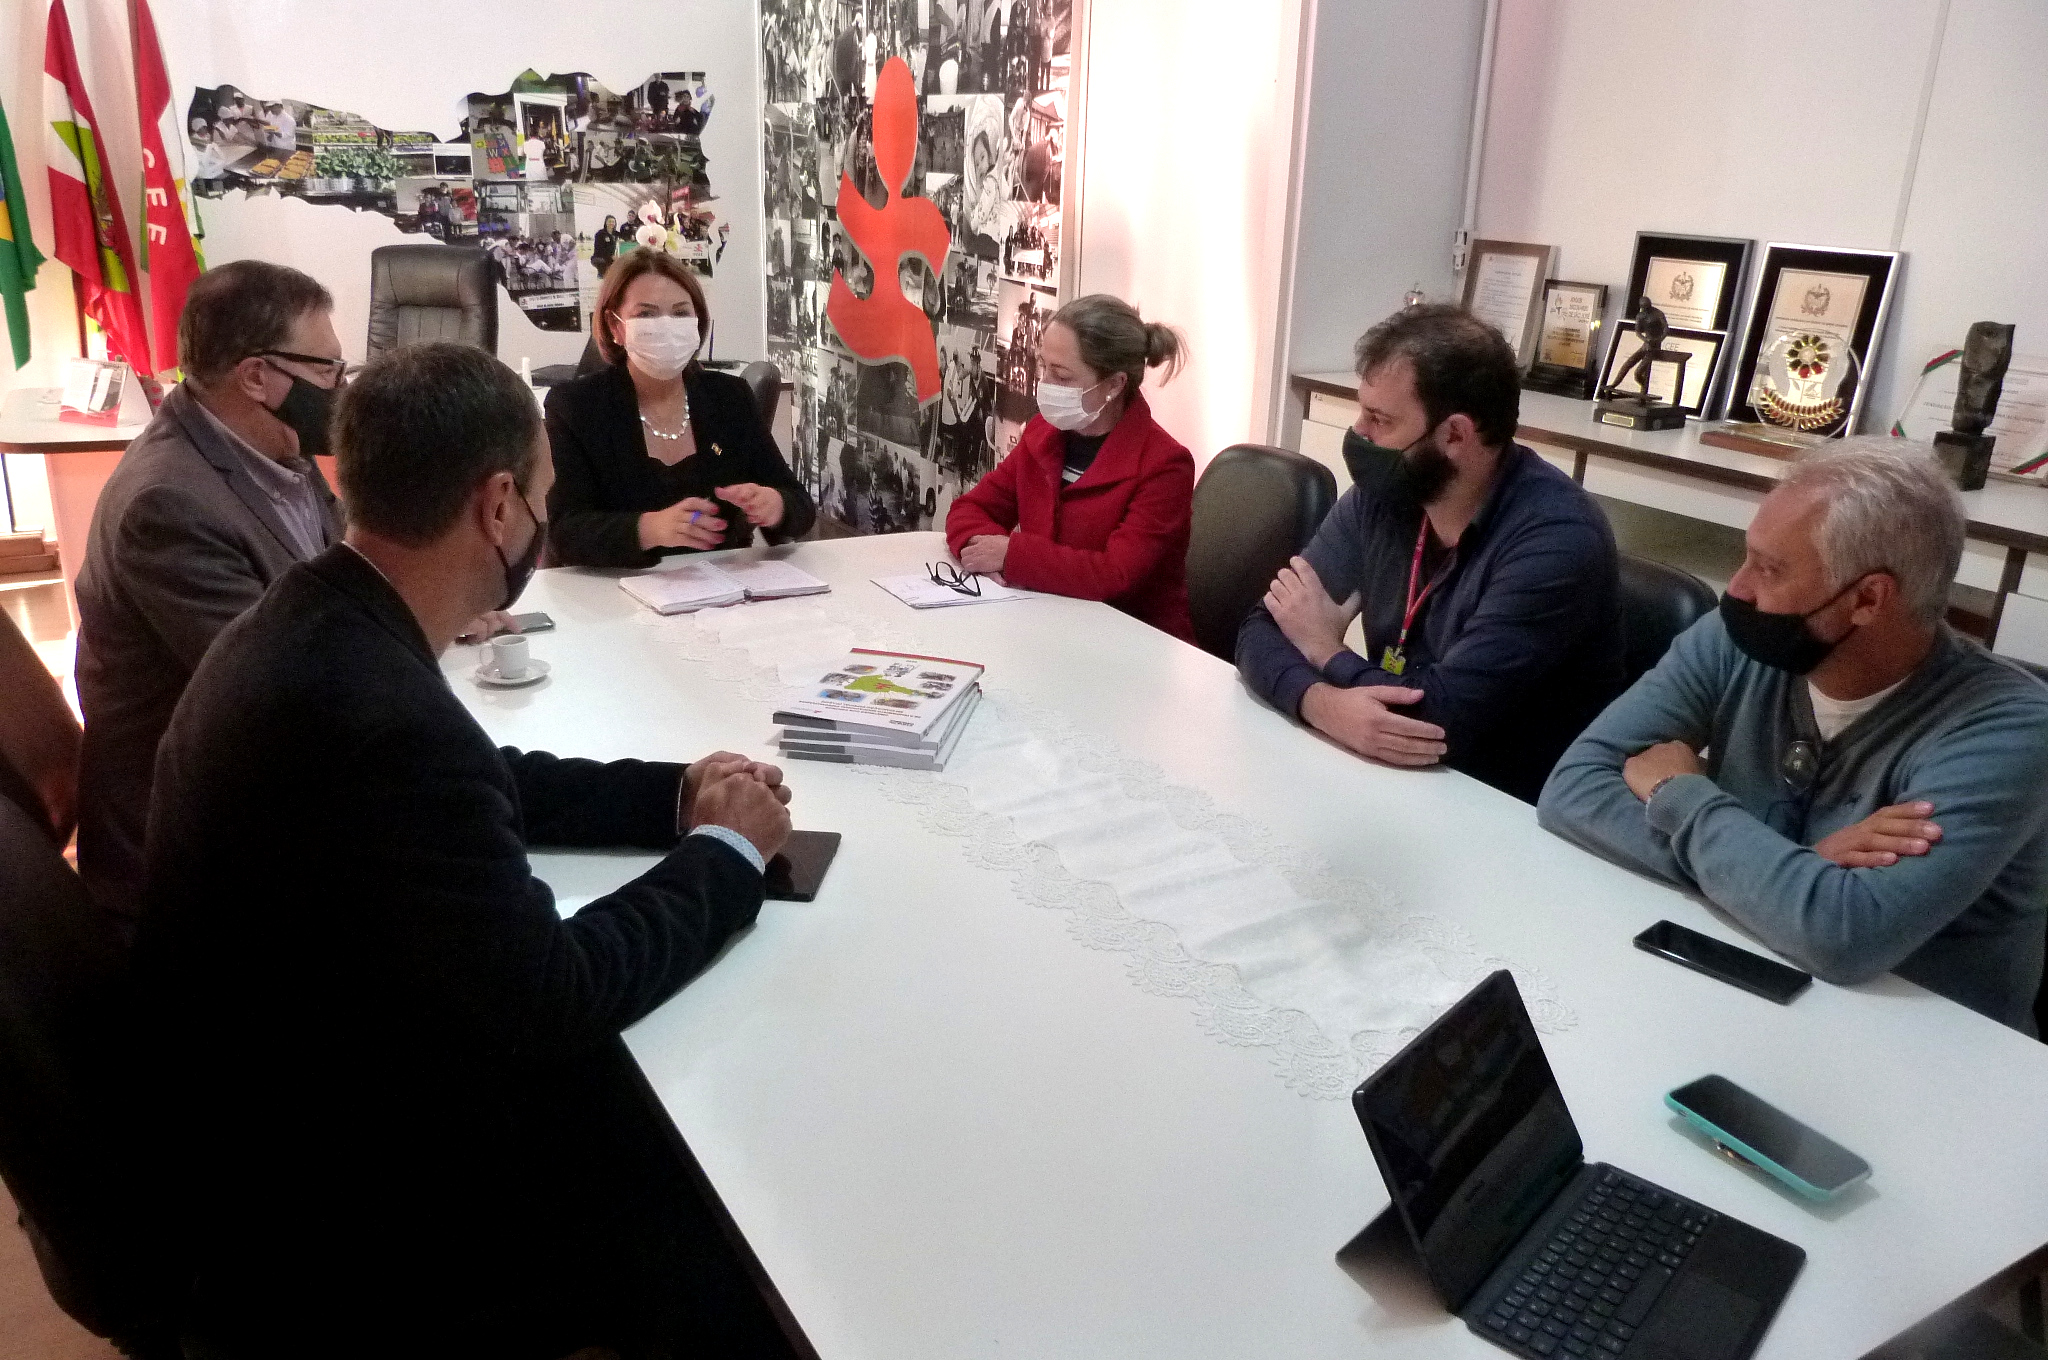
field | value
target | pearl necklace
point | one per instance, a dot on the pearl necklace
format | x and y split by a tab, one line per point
664	434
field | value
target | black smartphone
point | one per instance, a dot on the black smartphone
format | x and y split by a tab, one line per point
1768	978
795	873
535	622
1767	1138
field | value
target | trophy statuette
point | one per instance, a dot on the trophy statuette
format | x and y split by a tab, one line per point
1642	411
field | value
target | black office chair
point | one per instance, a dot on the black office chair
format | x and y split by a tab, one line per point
70	1149
766	381
762	376
1658	602
39	738
1255	507
432	292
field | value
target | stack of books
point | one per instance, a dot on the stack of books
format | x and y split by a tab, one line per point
881	708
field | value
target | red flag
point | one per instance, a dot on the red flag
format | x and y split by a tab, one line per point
85	213
169	256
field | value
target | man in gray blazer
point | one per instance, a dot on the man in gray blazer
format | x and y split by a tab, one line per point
210	504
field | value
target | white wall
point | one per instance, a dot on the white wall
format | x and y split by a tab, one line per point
402	66
1189	120
1775	122
1385	139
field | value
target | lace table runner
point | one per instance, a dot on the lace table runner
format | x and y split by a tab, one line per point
1329	974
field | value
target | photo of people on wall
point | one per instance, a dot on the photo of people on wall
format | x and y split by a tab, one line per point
532	175
992	77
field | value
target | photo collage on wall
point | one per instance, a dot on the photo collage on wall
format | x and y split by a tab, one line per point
556	177
992	79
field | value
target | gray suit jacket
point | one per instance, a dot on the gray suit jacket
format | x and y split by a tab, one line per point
183	540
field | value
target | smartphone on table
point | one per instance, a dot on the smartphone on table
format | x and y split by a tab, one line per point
798	869
1761	1134
1735	966
536	622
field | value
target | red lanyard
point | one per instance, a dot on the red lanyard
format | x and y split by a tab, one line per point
1415	601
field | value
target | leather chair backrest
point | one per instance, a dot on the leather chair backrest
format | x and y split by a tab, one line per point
766	381
68	1131
429	291
1255	507
1658	602
761	376
38	738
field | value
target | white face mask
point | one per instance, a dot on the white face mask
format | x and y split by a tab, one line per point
661	345
1066	408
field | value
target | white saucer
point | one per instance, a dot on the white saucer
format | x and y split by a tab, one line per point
536	670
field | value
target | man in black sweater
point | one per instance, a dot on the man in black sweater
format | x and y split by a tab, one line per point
402	1118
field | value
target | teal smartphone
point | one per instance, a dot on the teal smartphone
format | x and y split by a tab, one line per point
1750	1130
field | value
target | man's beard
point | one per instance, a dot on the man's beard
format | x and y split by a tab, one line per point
1422	474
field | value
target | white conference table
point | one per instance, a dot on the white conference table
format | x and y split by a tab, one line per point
949	1130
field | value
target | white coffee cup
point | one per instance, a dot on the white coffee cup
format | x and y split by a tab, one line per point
508	657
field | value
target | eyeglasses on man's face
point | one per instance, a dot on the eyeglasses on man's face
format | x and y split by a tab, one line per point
332	372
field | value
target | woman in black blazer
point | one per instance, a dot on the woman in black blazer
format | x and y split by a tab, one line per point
656	454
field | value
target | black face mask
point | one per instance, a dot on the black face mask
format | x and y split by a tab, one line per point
306	410
517	574
1416	474
1782	641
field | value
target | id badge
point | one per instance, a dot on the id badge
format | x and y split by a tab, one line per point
1393	661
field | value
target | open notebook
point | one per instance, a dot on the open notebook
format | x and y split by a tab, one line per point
701	585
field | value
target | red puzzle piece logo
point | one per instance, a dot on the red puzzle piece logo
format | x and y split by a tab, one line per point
885	324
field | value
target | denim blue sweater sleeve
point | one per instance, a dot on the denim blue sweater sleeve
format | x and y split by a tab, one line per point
1971	739
1548	584
1274	668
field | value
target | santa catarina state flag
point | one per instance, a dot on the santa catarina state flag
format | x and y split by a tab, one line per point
87	229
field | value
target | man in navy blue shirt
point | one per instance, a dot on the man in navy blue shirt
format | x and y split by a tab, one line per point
1486	577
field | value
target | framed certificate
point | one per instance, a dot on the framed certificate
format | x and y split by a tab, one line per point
1697	282
1815	318
1568	338
1504	288
1704	363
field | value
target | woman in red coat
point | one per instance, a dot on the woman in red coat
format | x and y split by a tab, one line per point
1094	502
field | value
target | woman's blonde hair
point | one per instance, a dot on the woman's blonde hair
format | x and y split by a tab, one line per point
625	269
1113	339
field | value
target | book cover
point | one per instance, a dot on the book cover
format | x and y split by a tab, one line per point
895	691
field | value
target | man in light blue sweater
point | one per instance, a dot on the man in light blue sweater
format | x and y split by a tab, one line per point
1826	761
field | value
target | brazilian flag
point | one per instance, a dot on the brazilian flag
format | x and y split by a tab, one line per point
19	258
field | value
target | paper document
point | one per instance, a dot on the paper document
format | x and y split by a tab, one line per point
921	592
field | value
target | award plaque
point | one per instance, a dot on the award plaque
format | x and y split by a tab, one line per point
1568	341
2019	423
1504	288
1696	281
1814	322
